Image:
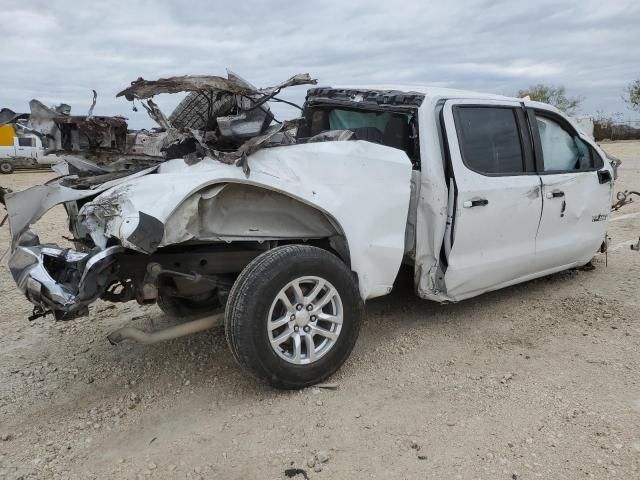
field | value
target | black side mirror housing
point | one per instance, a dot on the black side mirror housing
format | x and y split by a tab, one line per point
604	176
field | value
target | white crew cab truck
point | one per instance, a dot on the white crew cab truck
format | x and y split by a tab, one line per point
476	192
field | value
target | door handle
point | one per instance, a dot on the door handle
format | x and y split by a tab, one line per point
481	202
555	194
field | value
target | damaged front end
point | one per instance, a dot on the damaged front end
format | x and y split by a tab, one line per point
60	280
226	119
172	215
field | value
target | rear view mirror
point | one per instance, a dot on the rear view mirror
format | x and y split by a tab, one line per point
604	176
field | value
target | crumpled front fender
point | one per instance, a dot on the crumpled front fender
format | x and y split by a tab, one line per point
362	187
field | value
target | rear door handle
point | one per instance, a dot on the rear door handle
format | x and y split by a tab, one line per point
555	194
475	203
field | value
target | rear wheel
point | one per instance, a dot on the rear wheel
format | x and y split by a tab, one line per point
6	167
293	316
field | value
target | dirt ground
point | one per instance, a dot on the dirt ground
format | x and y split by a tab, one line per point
539	380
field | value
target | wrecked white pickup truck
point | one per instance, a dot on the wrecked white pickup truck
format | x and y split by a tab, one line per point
291	226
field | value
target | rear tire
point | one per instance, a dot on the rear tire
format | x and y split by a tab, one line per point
319	326
6	167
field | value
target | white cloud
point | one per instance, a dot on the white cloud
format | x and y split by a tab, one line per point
60	51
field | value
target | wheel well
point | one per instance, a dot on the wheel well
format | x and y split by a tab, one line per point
336	245
237	212
216	232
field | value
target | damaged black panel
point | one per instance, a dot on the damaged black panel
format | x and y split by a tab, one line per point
366	98
148	234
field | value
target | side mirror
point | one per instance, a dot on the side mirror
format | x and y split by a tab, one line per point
604	176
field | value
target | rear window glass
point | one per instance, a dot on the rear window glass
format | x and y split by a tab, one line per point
25	142
393	129
348	120
489	139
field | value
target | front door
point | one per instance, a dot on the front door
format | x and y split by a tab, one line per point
497	204
576	190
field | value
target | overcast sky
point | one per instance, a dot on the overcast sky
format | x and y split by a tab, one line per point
59	51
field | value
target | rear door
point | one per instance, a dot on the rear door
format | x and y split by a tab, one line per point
576	190
497	203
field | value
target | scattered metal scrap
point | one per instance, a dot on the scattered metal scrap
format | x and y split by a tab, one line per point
93	104
228	118
9	116
143	89
223	118
624	198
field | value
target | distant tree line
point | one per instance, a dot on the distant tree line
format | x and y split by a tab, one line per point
553	95
605	126
632	95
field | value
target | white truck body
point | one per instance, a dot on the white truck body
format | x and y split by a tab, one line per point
24	147
476	192
26	151
366	191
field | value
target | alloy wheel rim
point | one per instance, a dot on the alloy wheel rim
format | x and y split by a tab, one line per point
305	320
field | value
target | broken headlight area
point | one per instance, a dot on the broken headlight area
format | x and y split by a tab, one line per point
60	280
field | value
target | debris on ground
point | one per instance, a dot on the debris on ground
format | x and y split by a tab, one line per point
624	198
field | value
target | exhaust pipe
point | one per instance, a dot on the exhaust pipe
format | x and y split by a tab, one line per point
148	338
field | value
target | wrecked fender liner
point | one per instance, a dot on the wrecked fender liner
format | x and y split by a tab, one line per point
148	234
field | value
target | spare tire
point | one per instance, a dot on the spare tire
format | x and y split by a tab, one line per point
193	111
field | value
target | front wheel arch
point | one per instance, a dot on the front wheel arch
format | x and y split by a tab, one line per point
236	198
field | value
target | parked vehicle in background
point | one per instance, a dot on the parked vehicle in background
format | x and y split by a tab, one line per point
22	151
290	228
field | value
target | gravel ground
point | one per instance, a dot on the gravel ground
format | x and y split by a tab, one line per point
539	380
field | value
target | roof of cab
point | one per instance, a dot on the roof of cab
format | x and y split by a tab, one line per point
430	92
